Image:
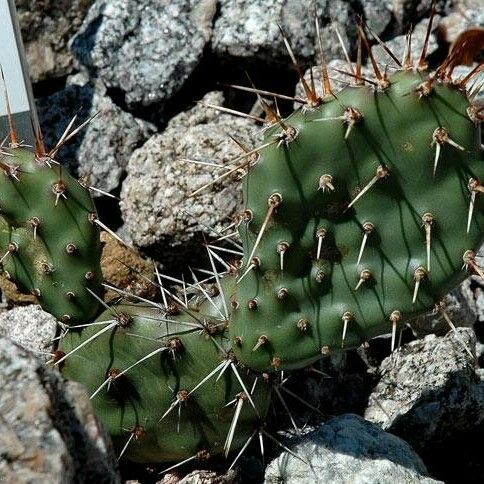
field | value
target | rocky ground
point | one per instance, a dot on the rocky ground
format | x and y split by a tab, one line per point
370	415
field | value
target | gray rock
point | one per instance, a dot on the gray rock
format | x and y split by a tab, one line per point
102	149
473	289
479	298
347	449
461	311
147	49
46	29
475	296
479	352
429	390
48	432
29	326
201	477
467	14
248	28
334	385
378	14
154	198
408	11
397	44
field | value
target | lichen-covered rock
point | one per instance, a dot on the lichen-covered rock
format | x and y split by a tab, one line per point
102	149
48	431
155	199
46	29
429	390
348	449
145	49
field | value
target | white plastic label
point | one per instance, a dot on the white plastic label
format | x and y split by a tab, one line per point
11	64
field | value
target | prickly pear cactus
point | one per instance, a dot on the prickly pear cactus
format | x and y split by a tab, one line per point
166	388
48	236
362	210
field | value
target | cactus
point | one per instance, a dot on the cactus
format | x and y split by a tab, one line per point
361	210
166	388
48	233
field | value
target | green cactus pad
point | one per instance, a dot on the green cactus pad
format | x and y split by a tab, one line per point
162	361
361	163
49	241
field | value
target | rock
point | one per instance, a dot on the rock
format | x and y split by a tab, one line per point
397	44
457	306
201	477
46	29
29	326
248	28
155	201
429	390
12	295
467	14
472	289
48	431
145	49
208	477
409	11
479	297
339	383
125	269
101	150
378	14
348	449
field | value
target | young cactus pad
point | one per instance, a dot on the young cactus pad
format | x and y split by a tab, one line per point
166	388
48	236
362	209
